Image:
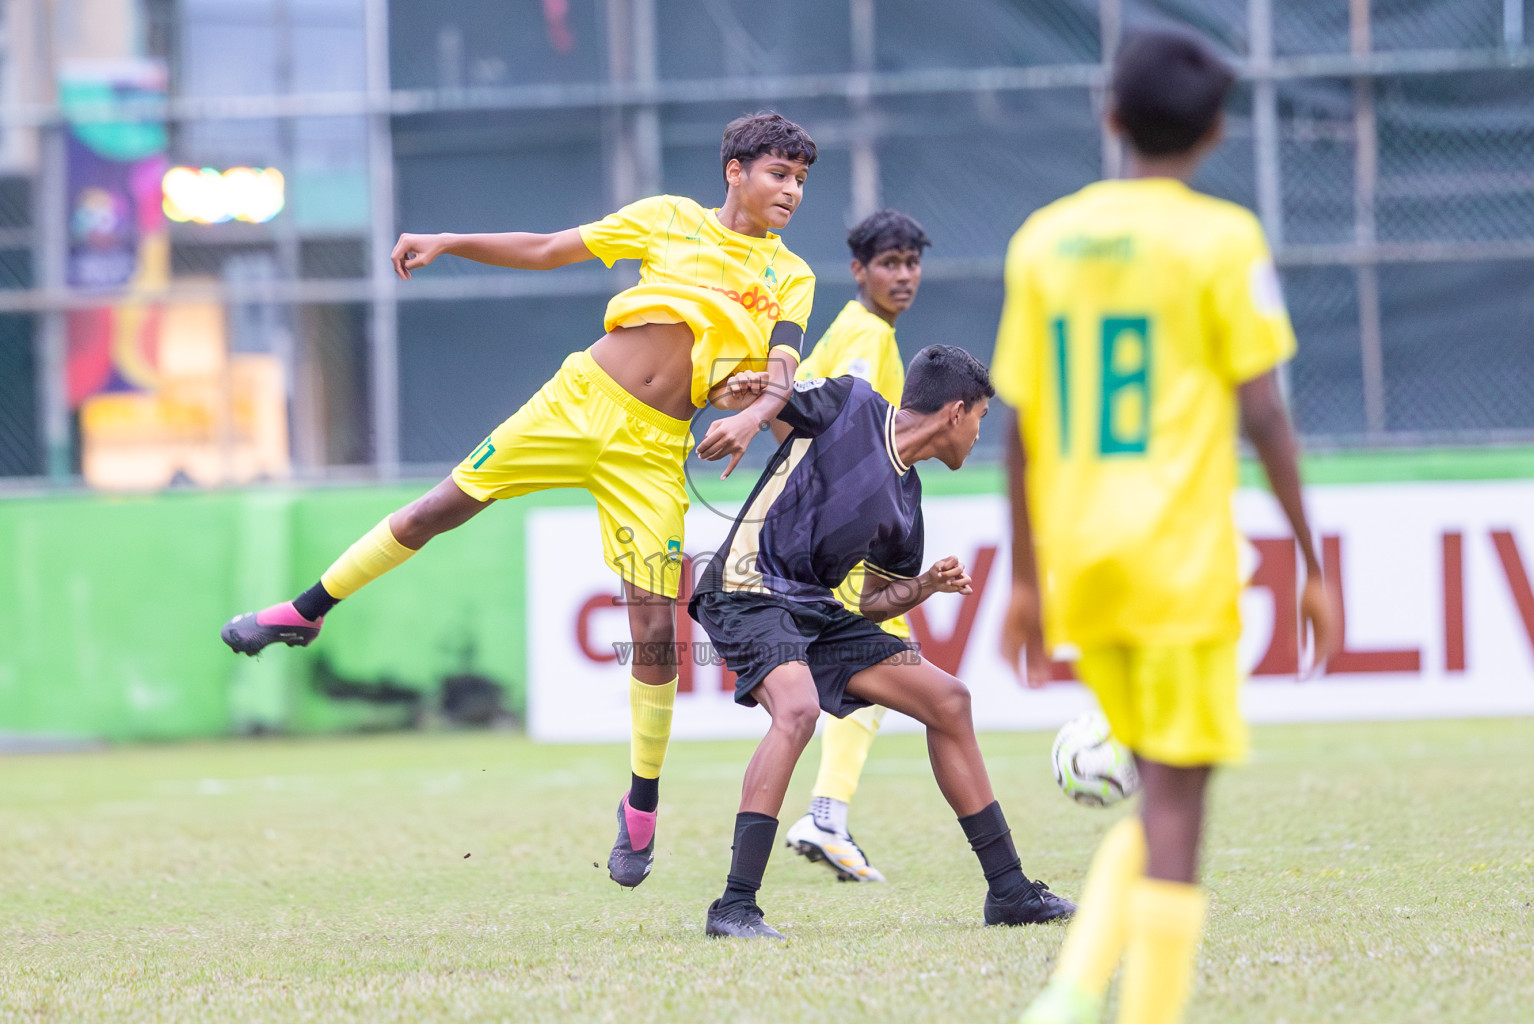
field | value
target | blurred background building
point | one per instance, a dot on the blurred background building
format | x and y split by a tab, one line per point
197	198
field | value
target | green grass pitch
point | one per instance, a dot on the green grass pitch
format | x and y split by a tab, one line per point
1359	873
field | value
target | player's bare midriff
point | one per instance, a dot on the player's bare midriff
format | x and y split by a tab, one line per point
652	362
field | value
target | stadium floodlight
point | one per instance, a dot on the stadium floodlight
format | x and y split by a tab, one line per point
208	196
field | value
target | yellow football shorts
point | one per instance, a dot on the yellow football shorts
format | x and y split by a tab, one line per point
1177	704
850	594
583	430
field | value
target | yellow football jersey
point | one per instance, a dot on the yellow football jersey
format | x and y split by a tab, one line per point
863	345
1133	310
731	289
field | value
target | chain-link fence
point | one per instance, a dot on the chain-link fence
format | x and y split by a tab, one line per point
1388	148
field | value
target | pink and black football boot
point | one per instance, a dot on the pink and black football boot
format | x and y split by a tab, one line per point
634	851
252	632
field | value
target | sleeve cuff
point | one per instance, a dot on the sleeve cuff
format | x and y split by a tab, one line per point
1253	367
607	260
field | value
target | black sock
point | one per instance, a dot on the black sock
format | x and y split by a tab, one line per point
644	794
991	840
315	602
754	836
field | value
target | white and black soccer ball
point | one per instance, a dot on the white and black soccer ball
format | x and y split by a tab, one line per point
1091	766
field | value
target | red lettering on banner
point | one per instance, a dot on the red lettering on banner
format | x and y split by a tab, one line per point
1453	602
1517	578
686	632
583	627
1346	662
1275	572
948	653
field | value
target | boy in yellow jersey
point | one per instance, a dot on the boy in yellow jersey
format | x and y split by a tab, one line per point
718	292
1141	319
886	264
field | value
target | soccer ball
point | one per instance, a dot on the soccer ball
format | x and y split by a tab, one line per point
1091	766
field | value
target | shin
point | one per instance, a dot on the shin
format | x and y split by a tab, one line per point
652	691
1173	816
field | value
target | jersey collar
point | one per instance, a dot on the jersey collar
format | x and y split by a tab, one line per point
862	312
713	215
1141	184
889	442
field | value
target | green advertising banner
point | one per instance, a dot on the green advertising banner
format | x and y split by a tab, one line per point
110	610
110	607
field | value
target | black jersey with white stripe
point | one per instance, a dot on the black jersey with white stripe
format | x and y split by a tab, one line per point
834	494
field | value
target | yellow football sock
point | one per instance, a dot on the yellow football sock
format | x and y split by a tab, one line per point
843	750
362	563
650	720
1165	920
1096	937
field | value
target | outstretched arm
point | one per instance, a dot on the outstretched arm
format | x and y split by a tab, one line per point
884	598
1266	423
521	250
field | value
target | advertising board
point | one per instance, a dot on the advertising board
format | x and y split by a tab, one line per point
1435	578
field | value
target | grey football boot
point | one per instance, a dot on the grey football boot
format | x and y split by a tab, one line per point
626	865
738	921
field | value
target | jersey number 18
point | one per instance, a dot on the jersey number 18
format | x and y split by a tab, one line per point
1124	396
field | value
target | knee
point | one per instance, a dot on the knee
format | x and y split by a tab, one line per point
952	707
653	622
415	524
652	626
797	721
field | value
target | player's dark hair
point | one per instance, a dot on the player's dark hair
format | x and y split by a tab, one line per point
754	135
1168	88
942	373
884	231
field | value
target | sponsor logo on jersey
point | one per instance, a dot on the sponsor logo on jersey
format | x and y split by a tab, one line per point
1081	247
809	385
757	300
